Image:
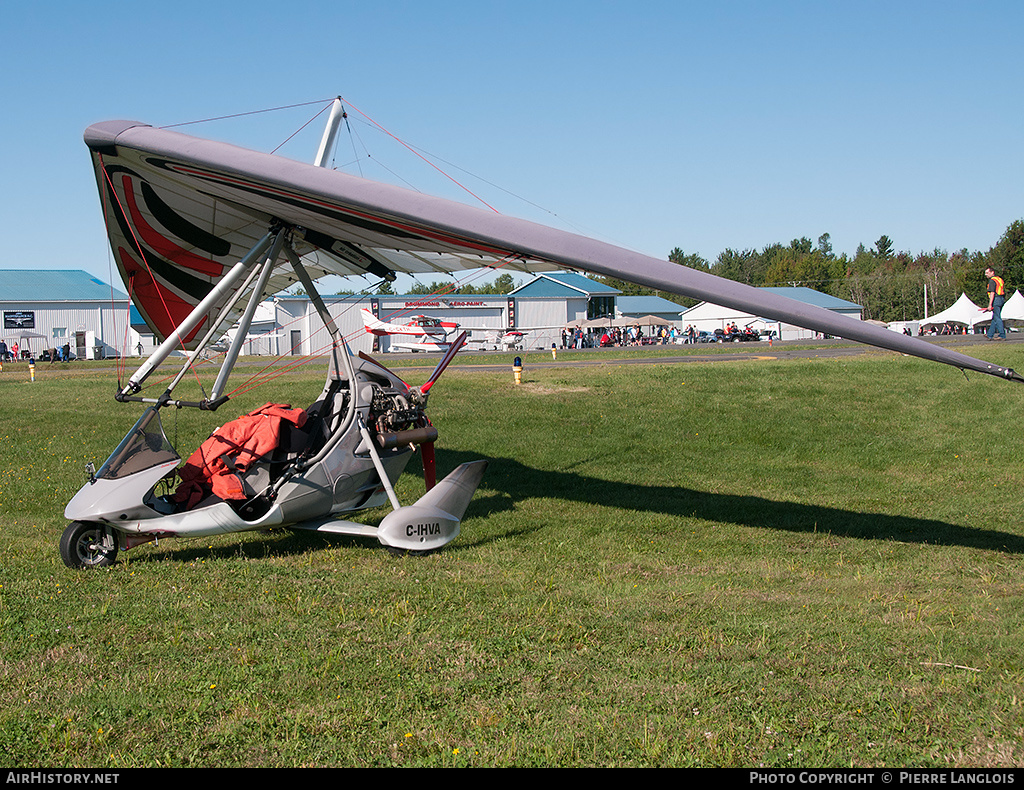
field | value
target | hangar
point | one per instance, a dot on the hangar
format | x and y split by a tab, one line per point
47	308
289	324
50	308
707	317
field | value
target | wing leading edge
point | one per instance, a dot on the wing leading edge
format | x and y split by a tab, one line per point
181	210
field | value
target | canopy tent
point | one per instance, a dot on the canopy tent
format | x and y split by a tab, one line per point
605	322
649	320
1013	310
963	311
23	338
24	334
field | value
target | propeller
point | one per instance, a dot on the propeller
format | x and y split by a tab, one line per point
449	355
427	449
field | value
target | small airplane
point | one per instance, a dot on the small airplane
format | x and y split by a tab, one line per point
422	333
506	339
425	333
509	340
203	231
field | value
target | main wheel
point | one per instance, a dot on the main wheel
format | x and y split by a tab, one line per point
87	545
397	552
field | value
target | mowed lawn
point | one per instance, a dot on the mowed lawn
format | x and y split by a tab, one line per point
750	563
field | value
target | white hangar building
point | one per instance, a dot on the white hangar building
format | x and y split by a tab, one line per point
289	324
49	308
707	317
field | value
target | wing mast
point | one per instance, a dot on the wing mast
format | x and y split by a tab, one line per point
330	133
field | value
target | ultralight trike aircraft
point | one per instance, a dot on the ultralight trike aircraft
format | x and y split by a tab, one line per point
202	231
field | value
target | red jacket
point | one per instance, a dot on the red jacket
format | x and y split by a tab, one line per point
231	449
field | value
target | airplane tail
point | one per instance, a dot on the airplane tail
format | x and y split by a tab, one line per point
371	323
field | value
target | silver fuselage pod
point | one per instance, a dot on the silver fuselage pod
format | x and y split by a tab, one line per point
435	519
339	475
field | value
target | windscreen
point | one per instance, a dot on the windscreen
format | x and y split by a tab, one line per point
144	447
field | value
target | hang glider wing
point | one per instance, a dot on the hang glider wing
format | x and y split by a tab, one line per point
181	210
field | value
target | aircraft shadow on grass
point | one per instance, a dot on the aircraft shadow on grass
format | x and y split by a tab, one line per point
515	481
508	481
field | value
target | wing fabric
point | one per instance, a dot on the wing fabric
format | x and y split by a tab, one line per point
180	210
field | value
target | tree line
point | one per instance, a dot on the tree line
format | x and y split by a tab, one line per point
502	284
888	285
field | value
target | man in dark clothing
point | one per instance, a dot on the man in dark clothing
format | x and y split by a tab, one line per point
996	299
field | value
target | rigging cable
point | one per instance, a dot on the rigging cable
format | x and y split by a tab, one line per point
307	123
243	114
418	154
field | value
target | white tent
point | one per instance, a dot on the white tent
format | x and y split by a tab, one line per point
963	311
1014	308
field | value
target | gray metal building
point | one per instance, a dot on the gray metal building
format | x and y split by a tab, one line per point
48	308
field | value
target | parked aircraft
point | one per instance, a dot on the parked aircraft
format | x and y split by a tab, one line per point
421	333
203	231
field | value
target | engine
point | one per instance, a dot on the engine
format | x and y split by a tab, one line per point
393	411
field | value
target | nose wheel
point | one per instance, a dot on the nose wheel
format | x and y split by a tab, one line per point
86	545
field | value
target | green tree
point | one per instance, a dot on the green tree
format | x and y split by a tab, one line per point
436	287
744	267
801	246
1007	257
503	284
692	260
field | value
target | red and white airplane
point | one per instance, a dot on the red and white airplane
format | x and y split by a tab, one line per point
422	333
502	340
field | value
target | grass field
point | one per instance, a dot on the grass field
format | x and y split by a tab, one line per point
752	563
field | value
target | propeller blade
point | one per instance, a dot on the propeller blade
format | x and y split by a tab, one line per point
449	355
429	465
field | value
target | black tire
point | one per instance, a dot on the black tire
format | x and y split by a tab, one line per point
81	546
397	552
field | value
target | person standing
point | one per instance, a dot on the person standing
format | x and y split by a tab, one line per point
996	299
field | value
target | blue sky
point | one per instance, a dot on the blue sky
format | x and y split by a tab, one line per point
651	125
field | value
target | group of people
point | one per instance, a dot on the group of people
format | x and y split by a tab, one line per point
62	354
577	337
13	353
634	336
945	329
617	336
